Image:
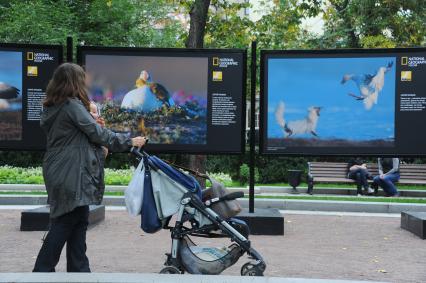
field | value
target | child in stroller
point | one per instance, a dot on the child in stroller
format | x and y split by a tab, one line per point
167	191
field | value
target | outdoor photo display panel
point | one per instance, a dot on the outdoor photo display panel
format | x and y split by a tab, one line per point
345	102
25	71
183	100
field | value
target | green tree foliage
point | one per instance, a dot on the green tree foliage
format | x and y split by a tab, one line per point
280	28
227	27
369	23
96	22
126	23
35	22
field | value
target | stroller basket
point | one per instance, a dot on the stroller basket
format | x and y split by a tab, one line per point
207	260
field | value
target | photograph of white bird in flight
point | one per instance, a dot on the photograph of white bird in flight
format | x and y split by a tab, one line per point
10	95
331	101
369	85
162	98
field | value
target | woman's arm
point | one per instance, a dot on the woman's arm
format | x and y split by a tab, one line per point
379	162
96	134
395	166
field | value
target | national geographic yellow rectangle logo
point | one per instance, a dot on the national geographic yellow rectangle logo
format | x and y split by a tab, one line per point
217	76
30	56
32	71
215	61
405	76
404	61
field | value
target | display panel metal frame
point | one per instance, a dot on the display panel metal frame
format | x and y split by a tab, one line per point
82	50
57	47
327	53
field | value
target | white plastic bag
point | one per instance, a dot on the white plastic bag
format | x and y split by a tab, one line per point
133	195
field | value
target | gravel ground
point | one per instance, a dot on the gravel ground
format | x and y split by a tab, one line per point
314	246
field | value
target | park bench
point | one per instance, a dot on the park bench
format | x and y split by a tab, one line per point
335	172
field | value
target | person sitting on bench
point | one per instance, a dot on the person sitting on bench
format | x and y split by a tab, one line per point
388	176
357	170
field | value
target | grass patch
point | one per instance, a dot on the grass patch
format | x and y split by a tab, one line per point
337	198
313	198
23	193
341	185
43	193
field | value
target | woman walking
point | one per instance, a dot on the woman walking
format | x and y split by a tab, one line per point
73	167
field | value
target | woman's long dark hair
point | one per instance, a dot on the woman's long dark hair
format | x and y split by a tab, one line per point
68	82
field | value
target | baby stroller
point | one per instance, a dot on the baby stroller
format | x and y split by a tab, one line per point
168	191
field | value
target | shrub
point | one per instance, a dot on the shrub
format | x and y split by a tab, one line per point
273	169
245	174
18	175
221	177
118	176
229	164
21	158
269	169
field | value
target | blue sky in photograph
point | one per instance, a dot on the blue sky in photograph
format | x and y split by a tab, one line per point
11	69
301	83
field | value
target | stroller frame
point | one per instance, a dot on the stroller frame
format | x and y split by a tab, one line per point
173	263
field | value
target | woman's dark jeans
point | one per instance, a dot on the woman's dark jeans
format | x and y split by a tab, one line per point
388	183
70	228
360	176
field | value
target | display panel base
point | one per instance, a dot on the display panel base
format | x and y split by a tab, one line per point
264	221
415	222
38	219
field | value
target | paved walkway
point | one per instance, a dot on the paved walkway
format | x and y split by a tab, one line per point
314	246
150	278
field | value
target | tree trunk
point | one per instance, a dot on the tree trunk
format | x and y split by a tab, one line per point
197	27
197	24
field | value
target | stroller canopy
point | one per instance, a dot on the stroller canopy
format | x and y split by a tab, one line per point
162	191
187	181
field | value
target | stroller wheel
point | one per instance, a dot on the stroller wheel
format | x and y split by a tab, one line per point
170	270
250	269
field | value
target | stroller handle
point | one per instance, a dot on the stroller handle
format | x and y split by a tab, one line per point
227	197
136	151
232	196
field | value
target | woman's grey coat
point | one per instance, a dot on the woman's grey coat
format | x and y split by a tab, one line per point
74	160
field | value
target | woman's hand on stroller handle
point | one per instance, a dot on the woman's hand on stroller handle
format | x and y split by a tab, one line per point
139	141
135	145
